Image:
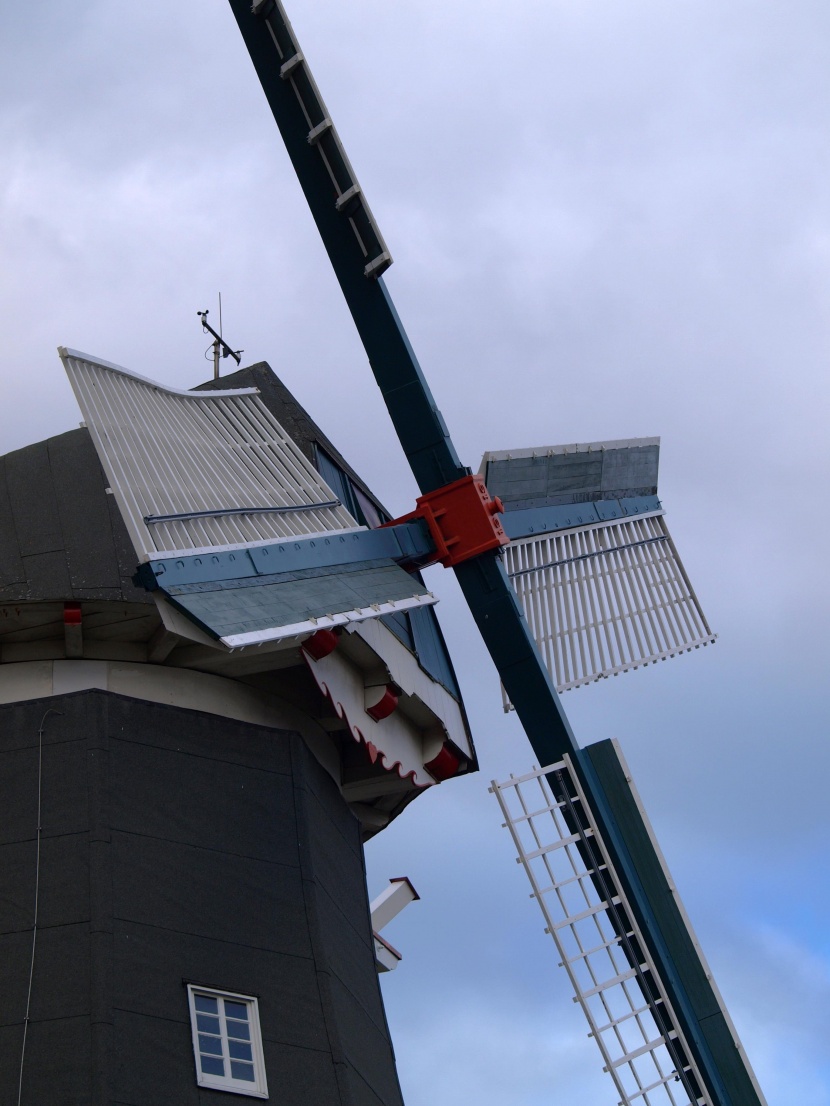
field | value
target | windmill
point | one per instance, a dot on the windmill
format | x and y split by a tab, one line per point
192	603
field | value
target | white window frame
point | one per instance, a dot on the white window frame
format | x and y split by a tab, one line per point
259	1087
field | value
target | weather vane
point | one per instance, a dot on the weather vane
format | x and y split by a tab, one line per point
220	346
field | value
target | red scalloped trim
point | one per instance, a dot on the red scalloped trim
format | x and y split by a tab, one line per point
374	753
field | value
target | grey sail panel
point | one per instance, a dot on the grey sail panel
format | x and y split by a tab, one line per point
579	473
712	1035
271	608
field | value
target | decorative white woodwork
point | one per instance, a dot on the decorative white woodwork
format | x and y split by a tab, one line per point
401	743
423	698
391	901
388	904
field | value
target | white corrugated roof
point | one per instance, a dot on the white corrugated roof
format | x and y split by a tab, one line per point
196	470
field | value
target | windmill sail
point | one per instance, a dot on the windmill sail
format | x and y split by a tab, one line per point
591	558
231	523
598	941
653	1008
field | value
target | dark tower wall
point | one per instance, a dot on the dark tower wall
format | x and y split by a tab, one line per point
178	847
61	535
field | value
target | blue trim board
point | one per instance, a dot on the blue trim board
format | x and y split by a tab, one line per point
431	650
545	520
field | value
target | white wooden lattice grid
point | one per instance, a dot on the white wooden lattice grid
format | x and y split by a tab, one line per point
599	945
167	452
604	598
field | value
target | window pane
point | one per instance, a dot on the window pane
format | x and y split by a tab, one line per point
242	1071
367	508
227	1041
210	1044
239	1030
239	1050
212	1066
336	479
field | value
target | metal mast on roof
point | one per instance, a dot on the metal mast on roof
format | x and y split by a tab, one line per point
220	346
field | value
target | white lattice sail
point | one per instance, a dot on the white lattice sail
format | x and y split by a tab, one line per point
598	943
605	598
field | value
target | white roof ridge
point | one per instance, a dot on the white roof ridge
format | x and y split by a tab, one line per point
64	352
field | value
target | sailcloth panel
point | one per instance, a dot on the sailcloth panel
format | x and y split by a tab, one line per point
605	598
289	604
220	458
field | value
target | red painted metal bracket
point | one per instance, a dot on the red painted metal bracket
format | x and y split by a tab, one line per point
462	518
73	630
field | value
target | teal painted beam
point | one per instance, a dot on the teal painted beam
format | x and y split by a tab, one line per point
524	522
407	543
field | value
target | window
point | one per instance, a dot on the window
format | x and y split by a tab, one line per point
353	498
227	1042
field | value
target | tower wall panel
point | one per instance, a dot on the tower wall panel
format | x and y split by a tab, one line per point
178	847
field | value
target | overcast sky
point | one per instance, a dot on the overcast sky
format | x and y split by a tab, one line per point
609	218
